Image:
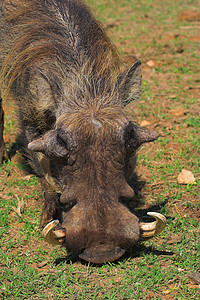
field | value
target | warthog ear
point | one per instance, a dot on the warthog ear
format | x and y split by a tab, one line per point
130	83
54	143
136	135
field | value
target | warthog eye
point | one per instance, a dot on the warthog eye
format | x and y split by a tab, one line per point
67	205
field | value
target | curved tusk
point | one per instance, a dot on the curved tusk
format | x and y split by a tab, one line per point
149	230
53	237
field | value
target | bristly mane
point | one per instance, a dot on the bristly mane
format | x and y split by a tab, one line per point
63	42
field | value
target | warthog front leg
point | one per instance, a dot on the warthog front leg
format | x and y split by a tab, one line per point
3	153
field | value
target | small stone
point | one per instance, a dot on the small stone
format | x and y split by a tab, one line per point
28	177
42	264
186	177
145	123
150	63
166	292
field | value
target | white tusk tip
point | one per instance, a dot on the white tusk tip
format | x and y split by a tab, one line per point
51	236
159	216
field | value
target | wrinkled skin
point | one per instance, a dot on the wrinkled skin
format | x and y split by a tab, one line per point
95	182
92	176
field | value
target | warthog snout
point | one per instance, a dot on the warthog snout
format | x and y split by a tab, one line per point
101	253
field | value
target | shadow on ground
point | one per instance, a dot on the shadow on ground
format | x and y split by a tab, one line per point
137	252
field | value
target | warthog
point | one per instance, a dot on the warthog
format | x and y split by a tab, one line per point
63	72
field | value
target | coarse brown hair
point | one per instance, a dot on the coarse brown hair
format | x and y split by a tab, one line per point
67	45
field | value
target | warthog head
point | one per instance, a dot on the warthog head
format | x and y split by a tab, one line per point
91	154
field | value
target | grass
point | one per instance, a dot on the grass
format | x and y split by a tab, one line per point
159	268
